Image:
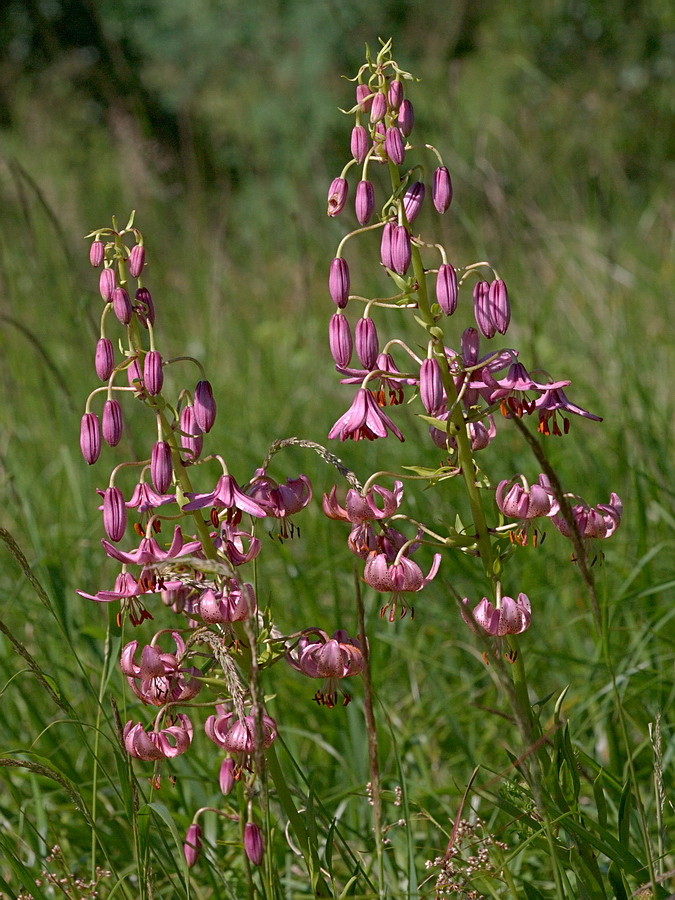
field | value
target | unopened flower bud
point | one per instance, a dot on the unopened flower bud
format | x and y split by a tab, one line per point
161	467
431	386
393	143
104	361
90	437
340	339
135	378
337	196
136	260
362	97
367	344
385	246
147	307
446	289
153	374
114	514
226	777
395	94
338	282
253	843
365	201
96	253
122	305
412	200
193	844
500	307
442	189
359	143
205	406
191	438
401	253
111	422
379	108
406	117
481	309
106	283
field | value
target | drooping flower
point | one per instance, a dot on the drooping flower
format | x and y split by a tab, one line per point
163	744
237	736
160	678
361	508
234	603
227	495
524	501
364	419
398	578
330	658
553	402
593	522
149	552
281	500
509	617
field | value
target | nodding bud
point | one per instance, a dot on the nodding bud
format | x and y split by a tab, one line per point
153	373
393	143
135	378
385	246
431	386
122	305
111	422
446	289
365	201
114	514
379	108
367	344
96	253
104	361
359	143
362	97
406	117
226	777
412	200
500	307
205	406
147	307
337	196
338	282
136	260
401	253
90	438
106	284
193	844
481	309
340	339
161	467
395	94
253	843
191	438
442	189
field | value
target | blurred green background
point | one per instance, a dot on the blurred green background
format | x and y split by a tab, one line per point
218	121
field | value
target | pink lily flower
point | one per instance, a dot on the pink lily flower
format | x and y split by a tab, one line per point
364	419
149	552
511	617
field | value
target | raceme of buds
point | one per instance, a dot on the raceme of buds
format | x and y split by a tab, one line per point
90	438
122	305
205	406
153	374
136	260
446	289
401	253
111	422
359	143
104	361
412	200
253	843
340	339
510	617
363	98
499	306
395	94
367	344
442	189
193	844
393	143
107	284
338	281
96	253
337	196
191	438
114	514
161	467
365	201
406	118
378	108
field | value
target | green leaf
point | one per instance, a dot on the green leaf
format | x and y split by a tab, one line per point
600	800
531	893
624	814
615	879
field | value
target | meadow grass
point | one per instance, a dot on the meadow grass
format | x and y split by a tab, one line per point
591	294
